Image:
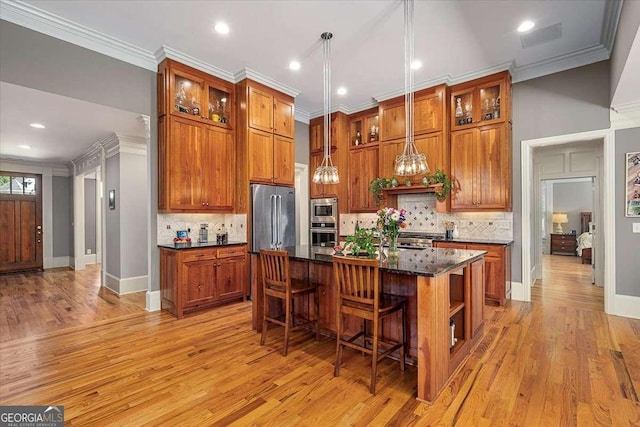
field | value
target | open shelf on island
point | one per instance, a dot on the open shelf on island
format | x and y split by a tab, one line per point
455	307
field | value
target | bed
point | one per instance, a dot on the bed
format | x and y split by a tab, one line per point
585	239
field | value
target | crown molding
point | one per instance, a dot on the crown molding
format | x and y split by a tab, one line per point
612	12
247	73
39	20
559	63
302	116
29	166
625	116
165	52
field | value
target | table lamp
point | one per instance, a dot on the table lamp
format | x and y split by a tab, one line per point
560	219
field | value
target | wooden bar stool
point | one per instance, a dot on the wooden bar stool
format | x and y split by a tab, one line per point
276	283
359	294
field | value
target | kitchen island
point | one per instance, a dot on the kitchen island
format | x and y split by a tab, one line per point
444	289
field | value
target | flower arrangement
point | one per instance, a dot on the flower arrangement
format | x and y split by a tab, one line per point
390	221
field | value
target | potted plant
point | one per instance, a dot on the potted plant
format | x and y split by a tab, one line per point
442	182
376	186
361	242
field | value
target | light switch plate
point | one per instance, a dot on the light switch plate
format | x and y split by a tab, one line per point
636	227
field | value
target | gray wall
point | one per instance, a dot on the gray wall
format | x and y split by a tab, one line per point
112	217
568	102
627	243
62	189
302	143
90	215
627	29
572	198
133	215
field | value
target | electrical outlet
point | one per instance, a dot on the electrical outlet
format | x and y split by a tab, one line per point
636	227
88	251
168	226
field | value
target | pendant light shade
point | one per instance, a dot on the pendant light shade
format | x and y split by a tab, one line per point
410	162
326	173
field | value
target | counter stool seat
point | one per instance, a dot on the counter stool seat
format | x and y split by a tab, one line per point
277	283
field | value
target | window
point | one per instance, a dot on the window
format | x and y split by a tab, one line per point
19	185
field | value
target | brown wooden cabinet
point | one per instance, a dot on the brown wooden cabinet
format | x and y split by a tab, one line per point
497	269
481	166
480	116
564	244
339	157
433	145
363	162
266	132
196	155
197	278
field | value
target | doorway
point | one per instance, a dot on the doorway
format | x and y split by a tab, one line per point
21	225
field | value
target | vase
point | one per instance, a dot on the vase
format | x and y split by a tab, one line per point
393	246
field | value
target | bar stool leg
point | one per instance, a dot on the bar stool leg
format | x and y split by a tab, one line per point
336	370
374	355
404	337
316	298
287	320
265	310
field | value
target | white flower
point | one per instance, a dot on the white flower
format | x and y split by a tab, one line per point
395	216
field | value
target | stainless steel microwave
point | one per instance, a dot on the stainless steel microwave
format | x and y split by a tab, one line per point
324	210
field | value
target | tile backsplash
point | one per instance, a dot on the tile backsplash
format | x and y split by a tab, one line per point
236	225
422	216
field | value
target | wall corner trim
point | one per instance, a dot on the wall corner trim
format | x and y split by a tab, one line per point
627	306
517	291
153	301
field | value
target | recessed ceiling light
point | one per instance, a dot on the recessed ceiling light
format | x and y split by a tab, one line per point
294	65
24	147
222	28
525	26
342	90
37	126
416	64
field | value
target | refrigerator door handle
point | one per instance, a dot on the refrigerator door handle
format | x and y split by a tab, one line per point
274	238
278	220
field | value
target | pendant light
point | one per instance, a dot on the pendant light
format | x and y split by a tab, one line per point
326	173
410	162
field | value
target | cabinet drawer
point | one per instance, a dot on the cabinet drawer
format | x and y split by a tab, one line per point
492	250
199	255
232	251
567	239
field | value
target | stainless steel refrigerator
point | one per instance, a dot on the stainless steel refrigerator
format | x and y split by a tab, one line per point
273	213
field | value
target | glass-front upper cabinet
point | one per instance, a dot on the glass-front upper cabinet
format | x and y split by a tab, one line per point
196	95
478	105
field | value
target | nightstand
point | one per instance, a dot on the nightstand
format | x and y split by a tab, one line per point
563	244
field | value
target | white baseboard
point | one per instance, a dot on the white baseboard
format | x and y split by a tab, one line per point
133	284
112	282
90	259
153	301
627	306
60	261
517	291
72	262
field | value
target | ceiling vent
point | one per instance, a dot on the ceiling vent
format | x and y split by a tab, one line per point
543	35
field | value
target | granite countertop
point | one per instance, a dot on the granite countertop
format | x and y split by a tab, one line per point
196	245
478	241
420	262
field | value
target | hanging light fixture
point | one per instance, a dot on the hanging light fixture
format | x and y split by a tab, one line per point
326	173
410	162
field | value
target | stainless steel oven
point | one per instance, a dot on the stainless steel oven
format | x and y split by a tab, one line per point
323	237
324	211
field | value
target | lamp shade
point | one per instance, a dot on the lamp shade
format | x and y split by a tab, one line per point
560	218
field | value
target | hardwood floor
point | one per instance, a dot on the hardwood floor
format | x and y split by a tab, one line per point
557	361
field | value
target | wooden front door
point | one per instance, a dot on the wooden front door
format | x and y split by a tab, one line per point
20	221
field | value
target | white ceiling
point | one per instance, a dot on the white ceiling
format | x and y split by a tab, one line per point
456	41
72	125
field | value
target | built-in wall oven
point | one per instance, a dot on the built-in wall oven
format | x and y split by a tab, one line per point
323	230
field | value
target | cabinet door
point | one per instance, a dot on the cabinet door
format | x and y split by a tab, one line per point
494	276
283	160
284	119
260	110
463	161
477	296
260	153
463	109
230	278
432	146
220	168
392	121
363	167
184	160
315	190
316	135
492	168
427	114
388	152
199	282
186	92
